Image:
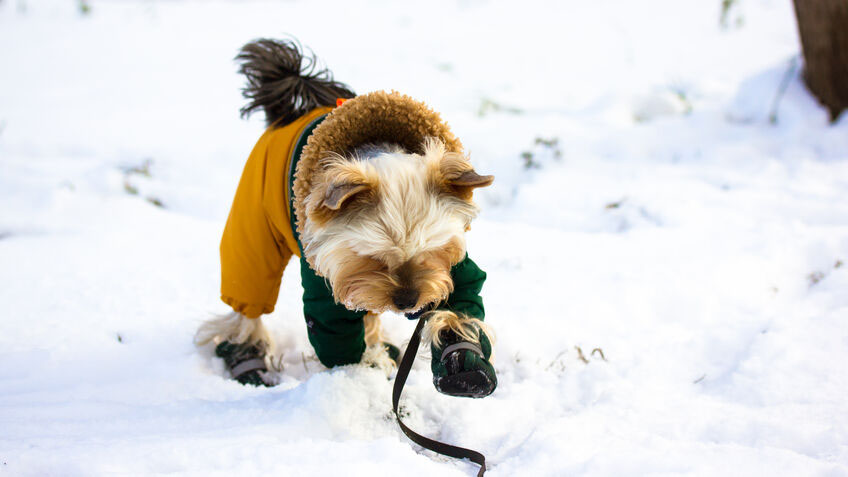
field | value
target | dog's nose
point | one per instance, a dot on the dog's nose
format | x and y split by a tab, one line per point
405	298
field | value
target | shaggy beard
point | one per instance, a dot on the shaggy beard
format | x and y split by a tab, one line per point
361	283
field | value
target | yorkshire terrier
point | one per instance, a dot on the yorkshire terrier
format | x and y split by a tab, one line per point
374	194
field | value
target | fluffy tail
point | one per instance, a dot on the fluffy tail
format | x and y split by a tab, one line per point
284	82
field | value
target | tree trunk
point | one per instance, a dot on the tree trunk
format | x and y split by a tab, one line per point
823	25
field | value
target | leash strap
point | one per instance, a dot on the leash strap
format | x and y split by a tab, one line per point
248	366
427	443
462	345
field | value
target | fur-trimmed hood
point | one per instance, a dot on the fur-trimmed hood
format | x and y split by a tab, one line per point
367	119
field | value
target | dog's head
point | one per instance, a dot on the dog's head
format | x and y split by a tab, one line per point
385	231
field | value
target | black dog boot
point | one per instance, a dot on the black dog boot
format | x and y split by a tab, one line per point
462	368
246	362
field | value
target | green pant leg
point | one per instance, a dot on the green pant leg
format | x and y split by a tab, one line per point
336	333
468	280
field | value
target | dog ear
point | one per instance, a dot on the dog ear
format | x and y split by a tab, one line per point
463	184
451	171
338	194
471	180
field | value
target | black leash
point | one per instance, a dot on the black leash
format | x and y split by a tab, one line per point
427	443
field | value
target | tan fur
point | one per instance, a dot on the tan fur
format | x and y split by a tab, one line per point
338	172
373	330
235	328
376	356
451	172
465	327
362	282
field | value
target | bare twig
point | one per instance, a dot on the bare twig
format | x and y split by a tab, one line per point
580	355
142	169
615	205
550	143
529	163
699	379
129	188
556	358
600	352
489	106
726	5
276	365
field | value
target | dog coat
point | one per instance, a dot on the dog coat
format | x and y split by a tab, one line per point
262	230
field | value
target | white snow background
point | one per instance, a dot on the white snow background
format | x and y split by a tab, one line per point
644	205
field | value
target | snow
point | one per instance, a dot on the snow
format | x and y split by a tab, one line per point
665	219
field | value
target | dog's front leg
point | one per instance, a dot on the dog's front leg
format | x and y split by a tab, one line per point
243	344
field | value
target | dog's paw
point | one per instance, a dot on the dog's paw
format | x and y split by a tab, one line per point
382	355
393	352
462	368
245	362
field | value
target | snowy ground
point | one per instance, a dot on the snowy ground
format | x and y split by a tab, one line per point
664	219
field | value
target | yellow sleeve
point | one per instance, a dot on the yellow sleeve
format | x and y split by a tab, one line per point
253	252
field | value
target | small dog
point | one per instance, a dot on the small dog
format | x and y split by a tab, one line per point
374	194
